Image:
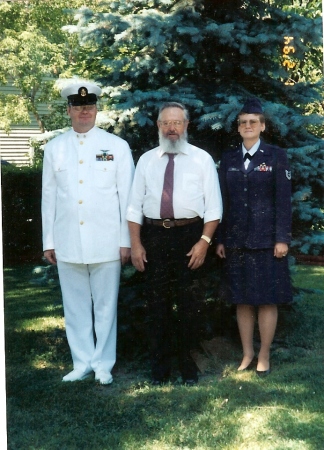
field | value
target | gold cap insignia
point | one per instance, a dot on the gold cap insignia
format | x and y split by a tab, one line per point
83	92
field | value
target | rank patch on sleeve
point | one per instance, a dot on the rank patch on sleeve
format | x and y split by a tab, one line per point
288	174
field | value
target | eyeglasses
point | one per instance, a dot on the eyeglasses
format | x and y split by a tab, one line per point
168	123
252	122
82	107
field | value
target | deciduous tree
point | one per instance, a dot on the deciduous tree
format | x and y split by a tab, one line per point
34	51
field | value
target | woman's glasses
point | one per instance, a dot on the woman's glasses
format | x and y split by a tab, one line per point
252	122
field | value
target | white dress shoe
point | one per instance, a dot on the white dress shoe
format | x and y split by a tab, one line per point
77	375
104	377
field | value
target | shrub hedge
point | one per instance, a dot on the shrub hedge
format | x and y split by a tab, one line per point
21	214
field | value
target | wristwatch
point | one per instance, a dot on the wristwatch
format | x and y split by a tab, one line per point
207	239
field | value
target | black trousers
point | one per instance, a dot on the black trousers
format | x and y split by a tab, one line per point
173	296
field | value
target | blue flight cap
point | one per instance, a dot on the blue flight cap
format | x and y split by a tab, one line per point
252	106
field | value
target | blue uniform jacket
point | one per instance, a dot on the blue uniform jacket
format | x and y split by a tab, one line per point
257	201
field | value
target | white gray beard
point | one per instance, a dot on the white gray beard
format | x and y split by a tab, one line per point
177	146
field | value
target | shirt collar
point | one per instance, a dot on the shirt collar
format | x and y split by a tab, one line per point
161	152
88	133
253	149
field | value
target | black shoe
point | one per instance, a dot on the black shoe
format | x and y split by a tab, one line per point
250	366
157	382
263	373
191	382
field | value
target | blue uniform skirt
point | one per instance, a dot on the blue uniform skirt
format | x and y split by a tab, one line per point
256	277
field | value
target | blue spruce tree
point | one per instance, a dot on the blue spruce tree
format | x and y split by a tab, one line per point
212	55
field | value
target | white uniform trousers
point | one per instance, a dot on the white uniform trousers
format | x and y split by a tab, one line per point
90	293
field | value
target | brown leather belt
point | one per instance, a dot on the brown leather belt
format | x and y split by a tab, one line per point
170	223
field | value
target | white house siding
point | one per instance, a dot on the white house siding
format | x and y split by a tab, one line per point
15	147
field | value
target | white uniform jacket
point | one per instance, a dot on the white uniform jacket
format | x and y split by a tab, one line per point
86	184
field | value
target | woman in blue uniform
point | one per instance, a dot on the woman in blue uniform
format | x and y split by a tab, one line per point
255	181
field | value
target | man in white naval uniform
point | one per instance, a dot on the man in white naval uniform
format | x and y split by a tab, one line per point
87	176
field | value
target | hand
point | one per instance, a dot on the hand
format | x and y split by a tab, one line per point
124	254
220	251
50	256
198	254
138	255
280	249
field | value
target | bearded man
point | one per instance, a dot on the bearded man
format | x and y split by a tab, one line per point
175	207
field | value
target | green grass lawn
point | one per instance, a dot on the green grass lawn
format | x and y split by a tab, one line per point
227	410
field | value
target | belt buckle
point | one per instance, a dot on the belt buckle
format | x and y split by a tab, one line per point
164	224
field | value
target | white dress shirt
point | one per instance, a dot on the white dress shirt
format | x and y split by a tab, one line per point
85	196
196	189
